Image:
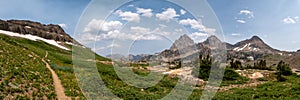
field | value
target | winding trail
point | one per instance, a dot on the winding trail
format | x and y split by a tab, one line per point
59	89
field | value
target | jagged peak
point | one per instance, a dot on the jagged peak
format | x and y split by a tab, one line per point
212	38
184	36
183	40
255	37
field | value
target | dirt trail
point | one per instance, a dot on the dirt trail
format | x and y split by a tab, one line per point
225	88
59	89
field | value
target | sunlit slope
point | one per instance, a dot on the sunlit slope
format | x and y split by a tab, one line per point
24	74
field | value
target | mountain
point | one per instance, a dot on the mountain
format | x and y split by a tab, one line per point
182	42
182	47
25	27
247	51
253	44
27	49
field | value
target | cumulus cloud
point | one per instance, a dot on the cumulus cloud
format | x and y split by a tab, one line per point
241	21
290	20
95	25
63	25
144	12
248	13
167	15
116	34
198	36
129	16
196	25
136	33
182	12
193	23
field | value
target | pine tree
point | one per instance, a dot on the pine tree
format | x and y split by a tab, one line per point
283	69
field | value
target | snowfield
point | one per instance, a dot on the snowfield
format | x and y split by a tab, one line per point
33	38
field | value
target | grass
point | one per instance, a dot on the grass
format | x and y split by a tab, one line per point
61	58
288	90
23	74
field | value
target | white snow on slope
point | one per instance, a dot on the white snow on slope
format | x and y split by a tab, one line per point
246	47
240	49
33	38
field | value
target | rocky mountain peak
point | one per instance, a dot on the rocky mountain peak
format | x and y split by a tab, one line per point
50	31
256	38
182	42
212	40
253	44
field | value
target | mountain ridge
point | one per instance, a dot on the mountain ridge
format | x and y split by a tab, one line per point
50	31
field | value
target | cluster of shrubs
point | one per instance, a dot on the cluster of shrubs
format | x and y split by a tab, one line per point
283	69
206	67
261	65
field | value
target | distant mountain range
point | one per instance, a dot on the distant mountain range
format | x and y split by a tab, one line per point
247	51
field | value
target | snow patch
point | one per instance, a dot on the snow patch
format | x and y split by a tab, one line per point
240	49
27	27
33	38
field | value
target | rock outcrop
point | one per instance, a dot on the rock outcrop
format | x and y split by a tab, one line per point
51	31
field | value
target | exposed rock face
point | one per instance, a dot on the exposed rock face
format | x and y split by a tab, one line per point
253	44
248	50
182	47
182	42
54	32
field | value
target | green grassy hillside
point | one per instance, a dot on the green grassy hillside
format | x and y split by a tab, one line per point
24	75
17	65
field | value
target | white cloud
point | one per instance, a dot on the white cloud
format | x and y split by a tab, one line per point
297	18
116	34
196	25
106	47
139	29
289	20
86	38
144	12
107	26
198	36
94	26
236	34
182	12
63	25
248	13
129	16
193	23
130	6
162	25
241	21
102	48
178	30
167	15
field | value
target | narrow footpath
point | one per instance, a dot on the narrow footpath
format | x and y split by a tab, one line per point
59	89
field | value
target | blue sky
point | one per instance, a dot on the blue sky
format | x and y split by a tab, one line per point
276	22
